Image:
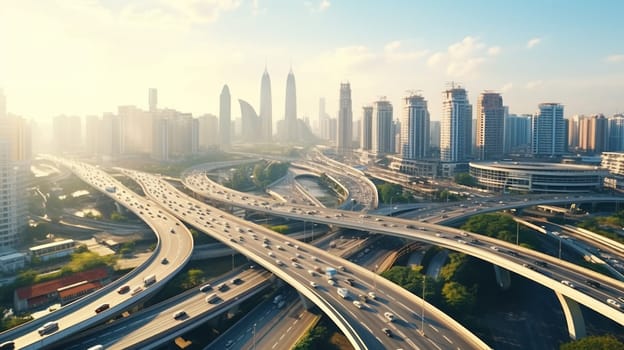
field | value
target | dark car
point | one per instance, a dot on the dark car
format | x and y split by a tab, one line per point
102	308
123	289
592	283
387	332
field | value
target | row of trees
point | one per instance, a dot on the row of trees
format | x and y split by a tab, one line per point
259	176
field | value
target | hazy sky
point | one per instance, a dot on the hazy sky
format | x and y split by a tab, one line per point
87	56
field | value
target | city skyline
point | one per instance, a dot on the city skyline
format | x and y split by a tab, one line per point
527	59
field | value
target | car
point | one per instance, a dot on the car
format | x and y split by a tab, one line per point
568	283
136	290
205	288
592	283
614	303
279	262
389	316
48	328
294	264
123	289
372	295
180	314
102	308
358	304
331	282
313	284
271	254
493	247
621	299
164	261
387	332
363	298
236	280
7	345
229	343
172	230
349	281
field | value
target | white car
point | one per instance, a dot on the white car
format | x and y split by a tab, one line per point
568	283
358	304
313	284
614	303
372	295
389	316
331	282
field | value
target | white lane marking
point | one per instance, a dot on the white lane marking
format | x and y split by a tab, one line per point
282	337
288	330
366	326
411	343
435	329
434	344
274	345
447	339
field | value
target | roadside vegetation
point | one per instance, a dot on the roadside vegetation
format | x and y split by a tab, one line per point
602	342
607	226
250	177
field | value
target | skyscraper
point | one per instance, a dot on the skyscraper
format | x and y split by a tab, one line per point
455	126
266	108
549	131
414	141
490	126
290	115
225	108
517	133
381	136
367	128
616	133
434	135
153	99
250	121
593	134
208	130
345	119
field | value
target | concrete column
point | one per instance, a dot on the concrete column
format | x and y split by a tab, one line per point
573	315
503	278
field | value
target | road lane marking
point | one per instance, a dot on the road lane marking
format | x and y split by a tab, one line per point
435	329
411	343
447	339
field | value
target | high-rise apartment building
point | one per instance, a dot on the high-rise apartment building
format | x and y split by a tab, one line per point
290	113
573	132
593	134
549	131
616	133
490	126
518	133
266	108
225	109
414	140
93	134
455	126
208	130
345	119
366	138
382	129
135	123
160	138
110	146
152	99
434	134
323	120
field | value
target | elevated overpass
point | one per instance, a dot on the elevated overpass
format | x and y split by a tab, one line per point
510	257
81	314
361	326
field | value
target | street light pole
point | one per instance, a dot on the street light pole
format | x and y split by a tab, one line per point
517	232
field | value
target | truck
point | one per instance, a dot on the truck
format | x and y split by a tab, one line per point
149	280
343	292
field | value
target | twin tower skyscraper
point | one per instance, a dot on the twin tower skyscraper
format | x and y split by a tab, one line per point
263	123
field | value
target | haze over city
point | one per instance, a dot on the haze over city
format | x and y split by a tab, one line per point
88	57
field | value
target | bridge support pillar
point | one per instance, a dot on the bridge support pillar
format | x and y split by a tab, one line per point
503	278
573	316
306	302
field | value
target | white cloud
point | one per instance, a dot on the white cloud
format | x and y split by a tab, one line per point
534	84
494	50
533	42
393	52
318	6
615	58
464	58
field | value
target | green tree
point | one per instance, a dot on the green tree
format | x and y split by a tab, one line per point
465	179
116	216
457	297
602	342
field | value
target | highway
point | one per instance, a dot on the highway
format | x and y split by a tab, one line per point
156	325
513	258
176	247
361	326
